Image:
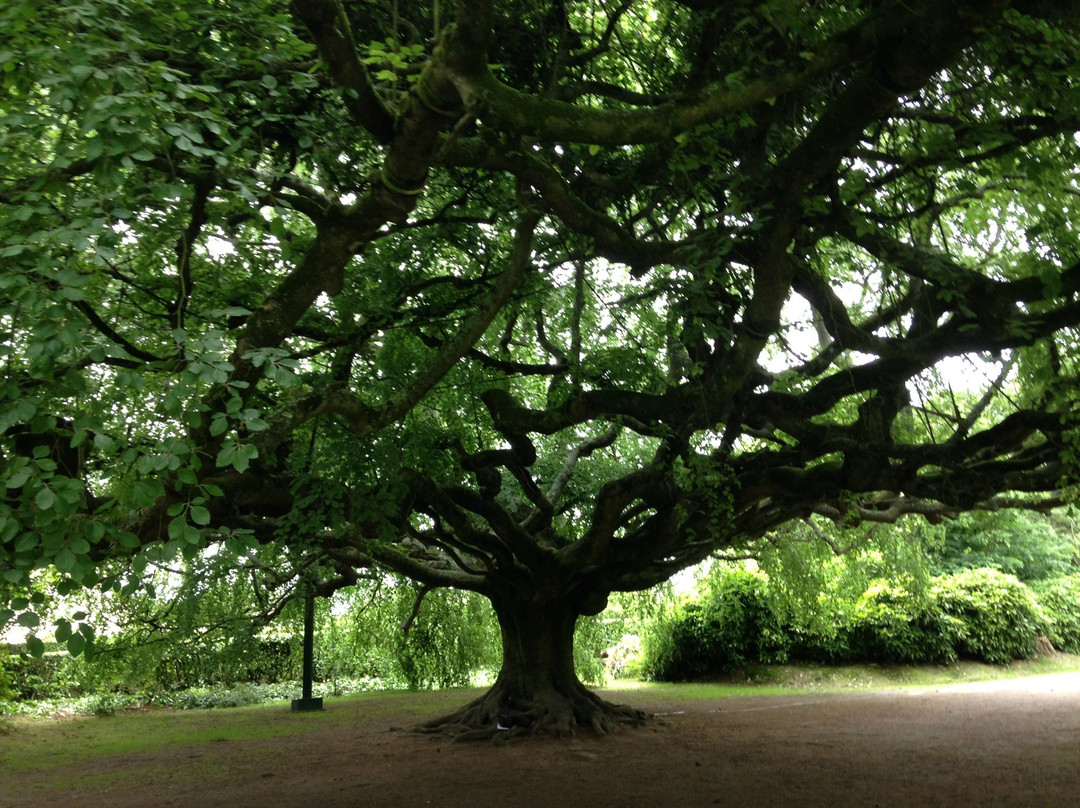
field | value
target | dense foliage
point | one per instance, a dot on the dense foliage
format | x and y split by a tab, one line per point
885	599
732	626
542	302
980	614
1060	602
1032	549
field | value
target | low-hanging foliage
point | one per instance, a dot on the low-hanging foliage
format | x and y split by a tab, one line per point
7	689
377	634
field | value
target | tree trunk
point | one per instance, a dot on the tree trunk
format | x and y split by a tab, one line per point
537	690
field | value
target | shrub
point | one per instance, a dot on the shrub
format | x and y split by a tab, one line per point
106	704
1060	601
683	648
732	627
999	617
892	625
51	676
7	685
823	637
1027	545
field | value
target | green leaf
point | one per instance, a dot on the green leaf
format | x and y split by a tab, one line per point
63	630
26	542
128	540
191	535
64	560
146	492
176	526
29	620
45	498
199	515
247	453
226	455
79	545
76	644
235	545
94	531
19	477
35	646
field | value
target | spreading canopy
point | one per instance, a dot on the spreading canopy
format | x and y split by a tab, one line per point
542	301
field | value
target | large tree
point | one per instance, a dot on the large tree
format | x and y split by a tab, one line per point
541	300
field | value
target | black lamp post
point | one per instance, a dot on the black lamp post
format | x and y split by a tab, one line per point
307	703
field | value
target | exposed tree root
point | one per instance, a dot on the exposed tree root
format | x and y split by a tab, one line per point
500	716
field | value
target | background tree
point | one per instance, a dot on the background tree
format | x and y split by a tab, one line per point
538	301
1018	543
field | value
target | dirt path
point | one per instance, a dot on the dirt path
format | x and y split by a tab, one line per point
1011	743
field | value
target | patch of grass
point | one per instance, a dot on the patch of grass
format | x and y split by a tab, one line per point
71	750
764	680
69	745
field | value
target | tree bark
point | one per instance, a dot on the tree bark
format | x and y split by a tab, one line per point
537	690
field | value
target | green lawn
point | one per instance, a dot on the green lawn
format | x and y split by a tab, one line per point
67	744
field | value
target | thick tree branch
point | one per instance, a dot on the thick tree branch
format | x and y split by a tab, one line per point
329	28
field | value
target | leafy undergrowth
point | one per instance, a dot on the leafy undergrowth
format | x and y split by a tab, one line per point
198	698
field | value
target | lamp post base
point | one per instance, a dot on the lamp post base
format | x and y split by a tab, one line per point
306	705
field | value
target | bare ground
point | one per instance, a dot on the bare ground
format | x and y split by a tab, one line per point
1014	743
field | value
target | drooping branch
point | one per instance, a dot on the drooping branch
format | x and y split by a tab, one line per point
964	424
888	511
634	409
113	335
407	623
912	50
